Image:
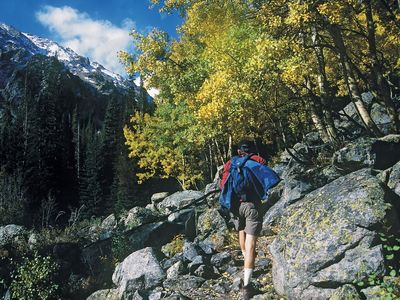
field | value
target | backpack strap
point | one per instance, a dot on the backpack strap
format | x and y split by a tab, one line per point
248	156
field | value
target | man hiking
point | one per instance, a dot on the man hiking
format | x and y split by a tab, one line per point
245	183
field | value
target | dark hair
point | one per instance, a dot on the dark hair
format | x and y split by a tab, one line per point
246	146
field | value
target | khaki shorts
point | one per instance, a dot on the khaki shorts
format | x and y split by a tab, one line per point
249	219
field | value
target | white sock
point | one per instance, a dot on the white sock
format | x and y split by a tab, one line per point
247	276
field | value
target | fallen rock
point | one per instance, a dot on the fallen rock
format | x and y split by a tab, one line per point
220	259
355	155
175	270
139	271
153	235
328	238
179	200
394	179
345	292
210	221
183	283
138	216
195	263
9	232
110	294
158	197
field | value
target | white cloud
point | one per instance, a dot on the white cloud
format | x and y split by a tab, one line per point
100	40
151	91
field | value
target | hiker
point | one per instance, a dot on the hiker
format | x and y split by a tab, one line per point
246	207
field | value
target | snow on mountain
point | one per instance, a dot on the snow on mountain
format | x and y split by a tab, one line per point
92	72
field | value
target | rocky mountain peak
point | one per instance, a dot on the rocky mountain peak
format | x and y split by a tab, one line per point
21	46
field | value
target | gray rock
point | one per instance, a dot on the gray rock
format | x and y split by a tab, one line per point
216	240
180	216
175	270
158	197
155	296
139	271
110	294
394	178
207	249
109	223
326	239
381	118
153	235
195	263
190	251
355	155
167	263
138	216
178	200
346	292
176	297
33	241
183	283
107	227
263	264
375	292
220	259
205	271
264	297
8	233
212	228
236	284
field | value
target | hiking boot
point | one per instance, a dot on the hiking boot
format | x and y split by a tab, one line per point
247	292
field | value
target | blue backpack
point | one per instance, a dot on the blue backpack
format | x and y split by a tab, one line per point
248	180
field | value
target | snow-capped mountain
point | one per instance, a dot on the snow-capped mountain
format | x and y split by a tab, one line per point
22	46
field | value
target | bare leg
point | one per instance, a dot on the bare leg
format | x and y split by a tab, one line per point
242	242
250	246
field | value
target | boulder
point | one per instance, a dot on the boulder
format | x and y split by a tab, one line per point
176	269
379	153
139	271
184	283
355	155
179	200
345	292
206	272
158	197
9	233
328	238
293	188
210	221
108	225
220	259
381	118
139	216
195	263
394	179
190	251
153	235
110	294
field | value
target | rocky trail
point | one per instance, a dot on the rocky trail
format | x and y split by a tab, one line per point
331	232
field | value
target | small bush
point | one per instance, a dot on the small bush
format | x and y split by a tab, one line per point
120	246
35	278
175	246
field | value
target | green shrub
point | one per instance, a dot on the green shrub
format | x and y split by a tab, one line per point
386	286
174	247
35	278
120	246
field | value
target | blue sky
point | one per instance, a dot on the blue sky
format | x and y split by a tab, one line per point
96	29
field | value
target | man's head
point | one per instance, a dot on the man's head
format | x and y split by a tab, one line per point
245	147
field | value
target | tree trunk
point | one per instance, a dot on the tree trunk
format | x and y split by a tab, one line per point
380	86
316	113
323	86
351	82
